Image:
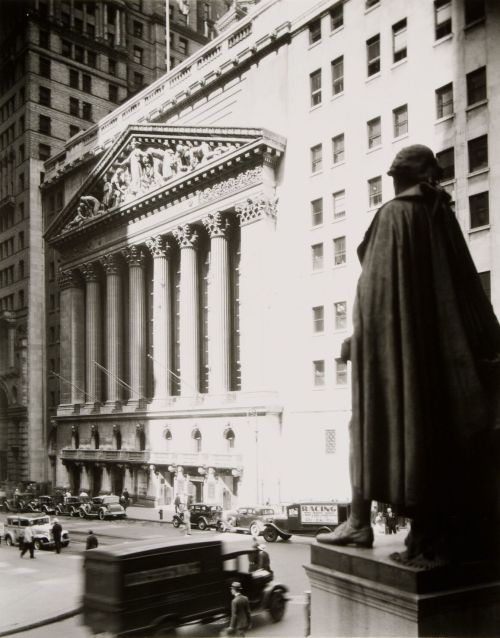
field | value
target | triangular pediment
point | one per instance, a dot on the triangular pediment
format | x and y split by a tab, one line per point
150	159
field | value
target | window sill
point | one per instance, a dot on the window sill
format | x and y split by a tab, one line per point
370	78
374	209
370	9
338	164
314	44
336	96
479	229
445	118
373	149
337	266
335	31
445	38
474	23
400	137
476	105
315	107
317	272
479	171
316	388
317	173
316	226
336	220
399	63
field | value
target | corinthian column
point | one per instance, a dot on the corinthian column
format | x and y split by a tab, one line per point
114	330
218	302
161	317
136	258
93	333
72	338
188	309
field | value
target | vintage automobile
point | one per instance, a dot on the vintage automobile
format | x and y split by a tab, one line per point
102	507
306	518
43	504
70	505
42	530
151	587
249	519
18	502
203	516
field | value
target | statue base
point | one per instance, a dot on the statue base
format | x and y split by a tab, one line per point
362	592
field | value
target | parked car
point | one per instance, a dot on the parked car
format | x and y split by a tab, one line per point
70	505
306	518
43	504
203	516
42	530
148	587
18	502
102	507
249	519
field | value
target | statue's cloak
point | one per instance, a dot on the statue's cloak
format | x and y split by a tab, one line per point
425	335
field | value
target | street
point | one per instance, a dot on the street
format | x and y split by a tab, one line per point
29	590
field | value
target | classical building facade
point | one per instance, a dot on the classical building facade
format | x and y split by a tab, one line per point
208	243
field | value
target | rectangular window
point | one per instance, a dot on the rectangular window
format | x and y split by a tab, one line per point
338	148
444	101
373	55
44	124
92	59
44	95
338	201
478	153
138	80
137	29
43	151
87	111
73	130
338	75
66	48
442	18
21	152
137	52
476	86
86	83
111	66
78	25
374	192
479	210
315	31
339	251
44	39
315	84
113	93
79	53
446	160
474	11
316	158
374	132
182	46
340	309
317	212
340	372
319	373
318	319
400	120
330	442
371	3
65	20
44	67
399	51
74	106
74	81
317	257
337	16
485	278
90	30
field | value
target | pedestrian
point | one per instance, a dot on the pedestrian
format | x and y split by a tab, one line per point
424	357
126	499
187	521
177	504
28	543
390	521
56	533
253	556
263	560
241	620
92	541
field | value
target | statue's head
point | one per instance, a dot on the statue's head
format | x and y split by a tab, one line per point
414	164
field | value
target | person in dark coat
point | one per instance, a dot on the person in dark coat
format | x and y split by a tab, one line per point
263	560
241	620
125	499
92	541
57	533
424	354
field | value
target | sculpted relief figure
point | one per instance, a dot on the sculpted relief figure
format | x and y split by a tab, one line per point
88	207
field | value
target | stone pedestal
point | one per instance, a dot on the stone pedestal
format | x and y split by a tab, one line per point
356	592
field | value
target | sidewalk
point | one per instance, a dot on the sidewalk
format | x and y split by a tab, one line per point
152	514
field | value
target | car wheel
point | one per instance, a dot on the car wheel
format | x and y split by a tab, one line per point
8	541
101	515
81	513
270	535
202	524
176	522
254	528
277	604
38	545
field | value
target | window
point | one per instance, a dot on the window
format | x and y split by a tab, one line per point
66	49
374	132
374	191
400	121
340	372
373	55
399	51
317	257
138	55
319	373
338	200
44	124
73	130
338	75
111	66
44	39
22	124
87	111
446	160
74	79
92	59
340	309
86	83
474	11
476	86
138	80
20	240
485	278
79	25
137	29
442	18
21	299
65	19
43	151
339	251
330	442
316	158
110	38
444	101
318	319
315	31
44	95
371	3
44	69
90	30
79	53
317	212
74	106
337	16
478	153
113	93
479	210
338	148
315	83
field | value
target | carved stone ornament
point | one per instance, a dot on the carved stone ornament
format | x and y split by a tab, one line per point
216	224
134	256
90	272
186	237
256	208
68	279
158	246
111	264
226	187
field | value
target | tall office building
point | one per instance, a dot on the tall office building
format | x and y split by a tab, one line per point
209	233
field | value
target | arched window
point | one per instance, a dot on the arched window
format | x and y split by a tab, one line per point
168	439
229	436
196	435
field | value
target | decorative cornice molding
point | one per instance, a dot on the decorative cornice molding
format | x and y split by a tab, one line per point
254	209
226	187
186	236
134	256
159	246
217	224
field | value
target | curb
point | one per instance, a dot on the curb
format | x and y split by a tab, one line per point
41	623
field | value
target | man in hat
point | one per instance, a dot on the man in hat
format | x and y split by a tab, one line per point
241	620
424	354
57	533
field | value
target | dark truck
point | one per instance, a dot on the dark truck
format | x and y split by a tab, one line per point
306	518
150	587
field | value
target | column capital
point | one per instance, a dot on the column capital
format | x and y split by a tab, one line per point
110	263
216	224
159	246
186	236
90	271
134	256
253	209
68	279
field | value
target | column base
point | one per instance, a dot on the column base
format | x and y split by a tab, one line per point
91	407
111	407
362	592
136	404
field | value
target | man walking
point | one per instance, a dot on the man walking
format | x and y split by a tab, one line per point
57	533
241	620
28	543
